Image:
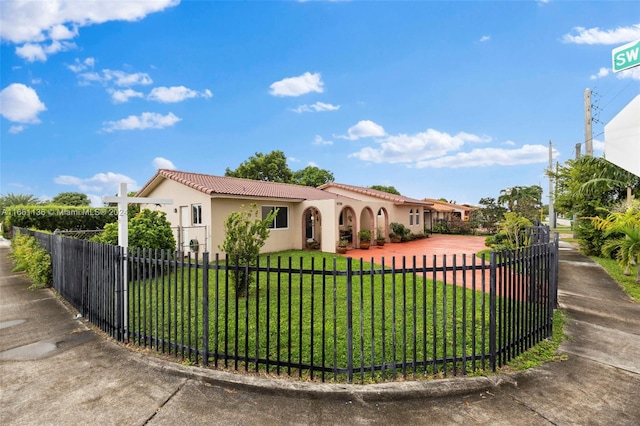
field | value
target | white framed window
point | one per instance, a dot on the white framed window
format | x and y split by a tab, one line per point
410	217
196	214
417	216
281	221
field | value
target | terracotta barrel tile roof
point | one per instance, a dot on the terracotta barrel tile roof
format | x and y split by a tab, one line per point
398	199
223	185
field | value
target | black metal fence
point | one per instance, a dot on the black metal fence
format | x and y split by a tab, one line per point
325	317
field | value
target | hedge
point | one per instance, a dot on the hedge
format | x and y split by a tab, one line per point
33	259
50	218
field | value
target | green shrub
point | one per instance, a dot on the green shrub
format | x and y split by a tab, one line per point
400	231
28	256
147	229
512	233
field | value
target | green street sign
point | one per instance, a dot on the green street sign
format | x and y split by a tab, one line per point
625	57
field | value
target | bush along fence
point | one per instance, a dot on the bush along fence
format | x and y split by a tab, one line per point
330	318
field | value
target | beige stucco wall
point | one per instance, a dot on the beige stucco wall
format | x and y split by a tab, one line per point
183	196
210	234
215	211
397	213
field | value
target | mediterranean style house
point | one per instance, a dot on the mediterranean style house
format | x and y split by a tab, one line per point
307	216
442	210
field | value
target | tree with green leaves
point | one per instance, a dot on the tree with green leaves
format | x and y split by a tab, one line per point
512	232
148	229
525	200
587	188
271	167
245	234
12	199
383	188
312	176
489	215
71	199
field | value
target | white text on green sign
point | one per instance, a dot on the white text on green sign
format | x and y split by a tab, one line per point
627	56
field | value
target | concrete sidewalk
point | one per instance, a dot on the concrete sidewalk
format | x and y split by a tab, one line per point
54	370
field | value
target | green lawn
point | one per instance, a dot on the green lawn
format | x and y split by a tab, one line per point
302	318
627	282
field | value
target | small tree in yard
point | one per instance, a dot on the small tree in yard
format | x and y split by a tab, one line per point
245	235
512	233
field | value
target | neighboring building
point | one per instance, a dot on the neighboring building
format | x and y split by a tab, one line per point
442	210
321	216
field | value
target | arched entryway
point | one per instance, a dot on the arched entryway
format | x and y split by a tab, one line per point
367	222
347	225
382	224
311	229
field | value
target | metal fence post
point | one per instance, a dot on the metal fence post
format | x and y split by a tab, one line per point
350	320
492	310
205	308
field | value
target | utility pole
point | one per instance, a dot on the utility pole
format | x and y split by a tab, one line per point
578	145
552	213
588	136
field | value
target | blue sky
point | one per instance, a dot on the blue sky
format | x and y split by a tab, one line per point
438	99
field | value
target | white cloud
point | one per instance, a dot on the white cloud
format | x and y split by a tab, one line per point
100	182
20	104
121	96
38	52
413	149
95	200
147	120
319	141
598	145
15	129
176	94
509	143
484	157
163	163
36	22
317	107
79	66
632	73
115	77
296	86
363	129
603	72
598	36
123	79
62	32
485	38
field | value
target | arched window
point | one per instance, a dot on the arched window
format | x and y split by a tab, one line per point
411	217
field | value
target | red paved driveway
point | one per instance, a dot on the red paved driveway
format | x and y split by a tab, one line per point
436	244
460	248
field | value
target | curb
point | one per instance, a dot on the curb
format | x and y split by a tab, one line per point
379	392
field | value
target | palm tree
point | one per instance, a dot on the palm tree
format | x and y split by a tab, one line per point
525	200
627	247
608	177
12	199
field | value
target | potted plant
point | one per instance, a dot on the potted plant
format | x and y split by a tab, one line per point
365	238
341	246
380	240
